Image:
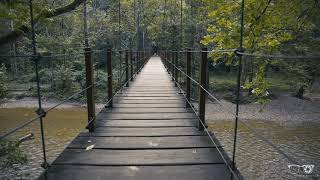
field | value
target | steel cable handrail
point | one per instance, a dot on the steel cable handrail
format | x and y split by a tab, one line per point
277	56
129	64
212	96
46	111
125	84
59	104
211	51
243	122
206	130
51	56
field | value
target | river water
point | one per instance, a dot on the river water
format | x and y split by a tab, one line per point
61	126
255	159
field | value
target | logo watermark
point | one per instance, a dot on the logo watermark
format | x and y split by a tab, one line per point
302	170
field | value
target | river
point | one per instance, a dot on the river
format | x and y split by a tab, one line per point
255	159
60	125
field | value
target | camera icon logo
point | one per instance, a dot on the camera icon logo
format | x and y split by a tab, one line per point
306	169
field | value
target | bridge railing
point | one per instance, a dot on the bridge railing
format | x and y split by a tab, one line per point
198	80
98	75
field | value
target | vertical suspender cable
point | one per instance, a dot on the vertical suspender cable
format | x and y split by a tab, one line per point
85	24
238	85
39	111
181	31
119	23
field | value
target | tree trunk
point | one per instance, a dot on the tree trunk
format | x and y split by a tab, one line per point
14	52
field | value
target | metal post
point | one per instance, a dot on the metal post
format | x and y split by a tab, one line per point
90	90
41	113
202	93
131	65
127	68
188	84
166	54
137	62
238	87
172	66
120	68
109	70
175	69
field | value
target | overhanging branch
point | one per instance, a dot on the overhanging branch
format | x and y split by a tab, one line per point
14	35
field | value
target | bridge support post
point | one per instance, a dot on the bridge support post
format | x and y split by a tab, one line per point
90	90
127	68
202	93
188	84
131	65
172	65
137	62
109	70
120	68
175	69
166	55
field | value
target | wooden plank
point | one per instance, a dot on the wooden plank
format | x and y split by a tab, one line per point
149	90
118	105
147	110
132	143
147	123
153	82
148	101
146	116
148	134
149	98
145	132
190	172
161	157
154	86
148	94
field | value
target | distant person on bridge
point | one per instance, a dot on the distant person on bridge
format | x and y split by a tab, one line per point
154	48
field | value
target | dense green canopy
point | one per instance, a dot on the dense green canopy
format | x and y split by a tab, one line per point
273	27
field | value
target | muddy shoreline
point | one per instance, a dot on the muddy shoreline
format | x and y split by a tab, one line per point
32	102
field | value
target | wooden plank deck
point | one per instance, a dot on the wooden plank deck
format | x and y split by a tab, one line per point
148	134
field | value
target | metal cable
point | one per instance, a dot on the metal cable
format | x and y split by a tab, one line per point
51	56
206	130
212	96
15	56
19	127
276	56
97	83
142	59
211	51
125	83
243	122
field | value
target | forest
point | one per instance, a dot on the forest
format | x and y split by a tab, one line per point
262	54
65	27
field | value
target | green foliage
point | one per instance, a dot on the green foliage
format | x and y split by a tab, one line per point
63	79
3	81
259	84
10	154
269	28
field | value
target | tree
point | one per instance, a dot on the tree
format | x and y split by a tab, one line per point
19	6
269	28
3	79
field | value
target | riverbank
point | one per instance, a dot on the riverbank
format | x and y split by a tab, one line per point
285	110
32	102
